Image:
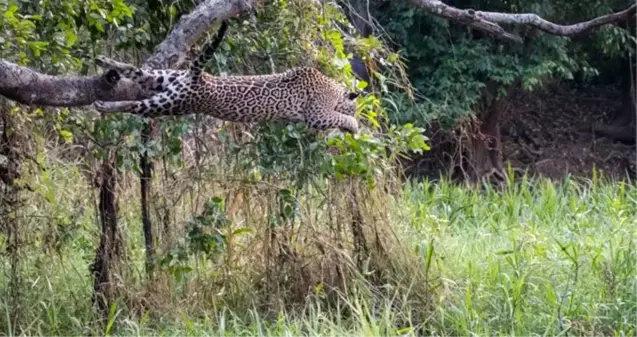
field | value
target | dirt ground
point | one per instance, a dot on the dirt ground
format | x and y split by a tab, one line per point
549	133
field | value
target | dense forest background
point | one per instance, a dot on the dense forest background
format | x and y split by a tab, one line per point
492	191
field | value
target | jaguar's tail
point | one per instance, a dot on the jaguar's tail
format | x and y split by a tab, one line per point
208	50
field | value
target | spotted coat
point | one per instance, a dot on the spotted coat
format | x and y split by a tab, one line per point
296	95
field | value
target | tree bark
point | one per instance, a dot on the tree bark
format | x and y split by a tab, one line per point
632	110
623	128
145	163
174	49
170	54
492	145
102	264
30	87
11	159
356	12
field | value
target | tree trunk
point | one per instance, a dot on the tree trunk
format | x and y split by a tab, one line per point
145	163
485	150
109	238
632	62
11	158
622	128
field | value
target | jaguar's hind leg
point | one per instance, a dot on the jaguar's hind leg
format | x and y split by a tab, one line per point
332	120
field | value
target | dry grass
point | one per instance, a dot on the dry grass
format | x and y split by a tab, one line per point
284	242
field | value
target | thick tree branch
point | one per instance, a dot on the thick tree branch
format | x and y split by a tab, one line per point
489	21
173	50
30	87
562	30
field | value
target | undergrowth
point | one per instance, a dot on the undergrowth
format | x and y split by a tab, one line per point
538	258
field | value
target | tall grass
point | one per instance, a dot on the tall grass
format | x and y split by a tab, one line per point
539	258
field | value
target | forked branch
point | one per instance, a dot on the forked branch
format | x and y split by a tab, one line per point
489	22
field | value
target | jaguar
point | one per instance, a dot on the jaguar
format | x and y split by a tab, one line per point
302	94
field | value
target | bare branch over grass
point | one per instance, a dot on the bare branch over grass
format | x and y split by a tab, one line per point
489	22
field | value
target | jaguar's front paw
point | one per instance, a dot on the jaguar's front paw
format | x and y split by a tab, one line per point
100	106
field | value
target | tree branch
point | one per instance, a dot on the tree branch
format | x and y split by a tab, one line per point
31	87
173	50
489	21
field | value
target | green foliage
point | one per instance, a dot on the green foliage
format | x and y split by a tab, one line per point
277	34
449	65
206	237
213	217
64	37
57	35
294	152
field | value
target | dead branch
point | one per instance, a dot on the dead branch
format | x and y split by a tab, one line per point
31	87
488	22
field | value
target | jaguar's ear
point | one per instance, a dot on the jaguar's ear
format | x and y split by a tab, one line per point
353	95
